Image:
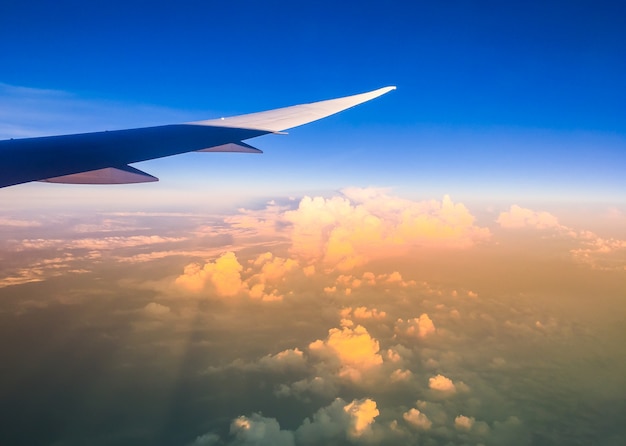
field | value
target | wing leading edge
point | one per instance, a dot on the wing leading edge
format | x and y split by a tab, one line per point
103	157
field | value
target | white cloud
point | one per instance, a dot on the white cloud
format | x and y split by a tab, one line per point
209	439
317	385
291	359
441	384
156	309
400	375
339	421
344	232
464	423
417	419
418	327
363	313
224	274
354	350
519	217
7	221
362	414
260	431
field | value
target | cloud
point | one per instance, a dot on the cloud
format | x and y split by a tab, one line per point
362	414
418	327
156	309
259	431
7	221
224	275
441	384
602	254
464	423
354	350
363	313
345	232
593	250
227	277
338	421
417	419
92	243
519	217
335	423
289	359
317	385
400	375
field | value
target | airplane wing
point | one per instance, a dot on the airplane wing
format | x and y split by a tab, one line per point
104	157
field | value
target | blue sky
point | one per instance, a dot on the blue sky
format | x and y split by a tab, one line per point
496	99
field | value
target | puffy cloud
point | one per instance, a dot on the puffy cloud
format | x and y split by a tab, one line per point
285	360
519	217
599	253
417	419
224	274
155	309
338	421
317	385
362	414
273	268
353	349
464	423
259	431
344	232
209	439
418	327
441	384
603	254
363	313
400	375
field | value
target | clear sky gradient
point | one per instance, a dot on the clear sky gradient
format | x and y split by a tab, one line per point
523	99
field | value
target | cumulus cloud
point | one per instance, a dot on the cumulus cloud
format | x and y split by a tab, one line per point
597	252
344	232
362	414
353	349
339	420
464	423
260	431
285	360
317	385
519	217
363	313
224	274
417	419
441	384
156	309
418	327
400	375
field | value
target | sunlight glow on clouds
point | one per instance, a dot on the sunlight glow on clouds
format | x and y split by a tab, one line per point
347	232
324	320
354	349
